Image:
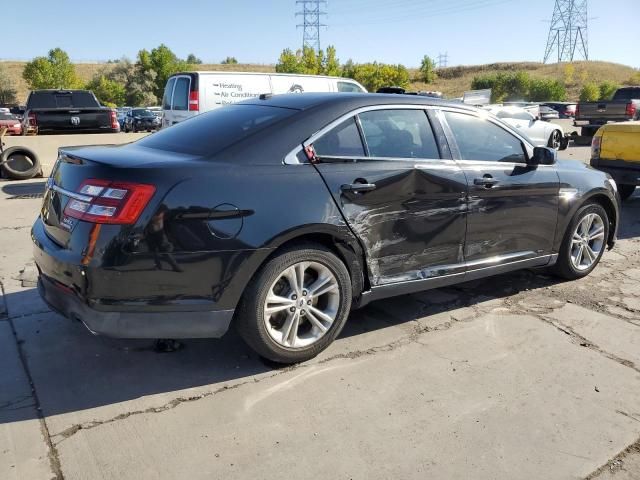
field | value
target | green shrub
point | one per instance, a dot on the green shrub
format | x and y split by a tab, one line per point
607	89
590	92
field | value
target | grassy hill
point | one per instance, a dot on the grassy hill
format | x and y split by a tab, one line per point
452	81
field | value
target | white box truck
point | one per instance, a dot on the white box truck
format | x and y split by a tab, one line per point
189	93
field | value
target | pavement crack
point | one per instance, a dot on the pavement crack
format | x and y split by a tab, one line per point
585	342
52	451
617	462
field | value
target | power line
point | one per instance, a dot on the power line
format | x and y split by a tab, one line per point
568	31
311	13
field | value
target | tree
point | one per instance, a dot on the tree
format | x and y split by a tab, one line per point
160	63
288	62
8	93
607	89
229	61
193	60
52	71
331	64
311	61
137	81
108	91
569	73
375	75
427	70
590	92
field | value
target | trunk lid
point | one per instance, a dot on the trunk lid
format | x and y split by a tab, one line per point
73	119
128	163
609	110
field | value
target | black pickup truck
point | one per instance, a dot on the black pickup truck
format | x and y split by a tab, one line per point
67	111
624	106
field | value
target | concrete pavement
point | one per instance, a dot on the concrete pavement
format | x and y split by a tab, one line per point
520	376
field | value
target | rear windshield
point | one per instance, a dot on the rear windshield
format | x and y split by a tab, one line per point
61	99
627	94
8	116
210	133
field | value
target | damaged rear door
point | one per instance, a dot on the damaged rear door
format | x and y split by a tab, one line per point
404	201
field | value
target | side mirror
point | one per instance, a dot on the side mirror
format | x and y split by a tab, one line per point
542	156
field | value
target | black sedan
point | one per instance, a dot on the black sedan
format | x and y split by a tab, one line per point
281	214
140	120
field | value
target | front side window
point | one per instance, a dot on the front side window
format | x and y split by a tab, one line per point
399	134
181	94
480	139
166	100
341	141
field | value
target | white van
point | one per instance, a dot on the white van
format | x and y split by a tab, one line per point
190	93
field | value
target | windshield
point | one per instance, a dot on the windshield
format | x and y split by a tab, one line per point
7	116
141	112
627	94
214	131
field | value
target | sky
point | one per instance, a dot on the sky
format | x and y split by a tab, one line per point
256	31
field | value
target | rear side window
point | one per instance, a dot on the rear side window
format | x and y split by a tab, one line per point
627	94
480	139
181	94
399	134
342	141
212	132
166	99
349	87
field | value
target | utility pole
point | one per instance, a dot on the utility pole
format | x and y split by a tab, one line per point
443	59
568	31
311	13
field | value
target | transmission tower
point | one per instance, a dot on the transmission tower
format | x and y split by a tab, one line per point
568	31
443	59
311	13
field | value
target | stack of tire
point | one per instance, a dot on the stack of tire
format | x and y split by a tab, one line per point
19	163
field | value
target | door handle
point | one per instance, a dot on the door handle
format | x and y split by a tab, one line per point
358	187
487	181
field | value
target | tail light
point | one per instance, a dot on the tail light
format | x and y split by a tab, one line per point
630	111
577	111
194	101
596	146
103	201
114	120
33	120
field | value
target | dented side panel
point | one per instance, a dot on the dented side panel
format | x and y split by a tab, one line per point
412	226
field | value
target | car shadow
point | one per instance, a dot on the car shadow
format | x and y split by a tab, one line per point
630	224
73	370
24	190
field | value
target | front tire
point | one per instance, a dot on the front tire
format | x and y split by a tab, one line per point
584	242
296	305
626	191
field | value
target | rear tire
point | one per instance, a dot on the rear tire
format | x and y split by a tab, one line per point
584	243
288	317
555	139
626	191
20	163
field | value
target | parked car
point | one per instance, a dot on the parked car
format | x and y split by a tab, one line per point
564	109
624	106
190	93
67	111
11	122
541	133
121	113
141	119
302	207
615	149
548	113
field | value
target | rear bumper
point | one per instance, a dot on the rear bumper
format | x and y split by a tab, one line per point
198	324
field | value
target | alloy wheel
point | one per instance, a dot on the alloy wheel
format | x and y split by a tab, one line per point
556	140
301	305
587	242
